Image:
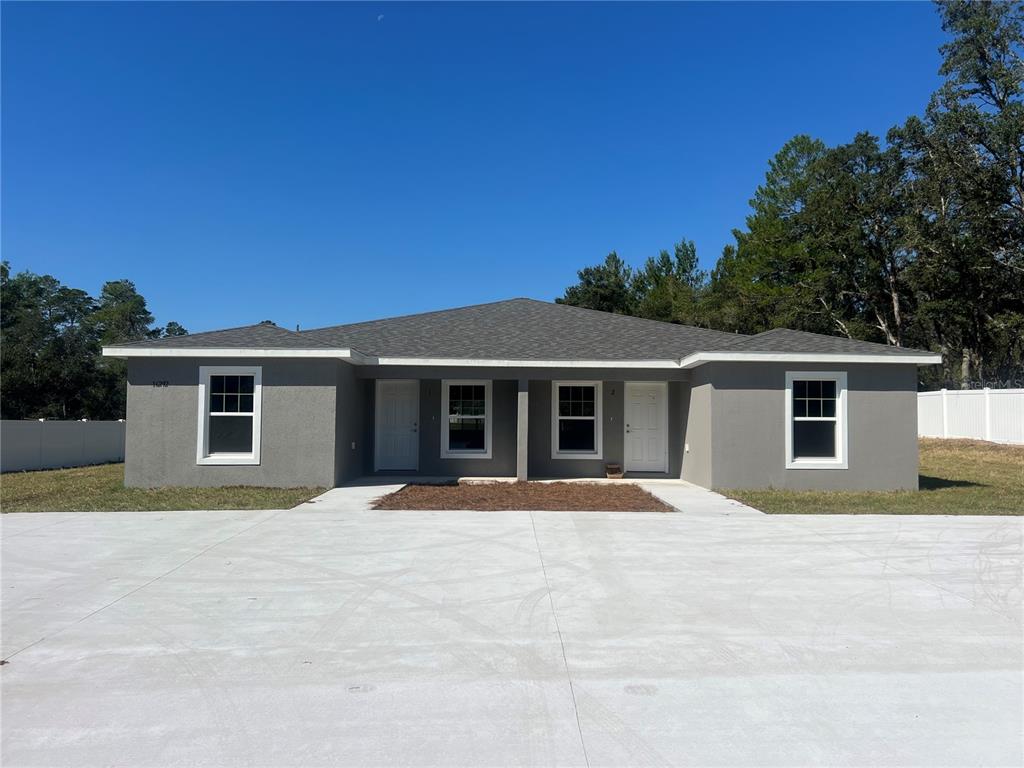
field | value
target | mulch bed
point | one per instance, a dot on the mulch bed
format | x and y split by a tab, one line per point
555	497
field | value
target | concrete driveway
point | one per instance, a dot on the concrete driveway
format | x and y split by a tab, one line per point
332	635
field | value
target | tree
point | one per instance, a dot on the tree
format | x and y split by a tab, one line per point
965	160
855	221
174	329
122	315
918	241
50	346
771	276
983	99
605	286
668	286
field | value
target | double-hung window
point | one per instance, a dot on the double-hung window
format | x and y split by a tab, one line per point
465	419
229	415
816	420
576	419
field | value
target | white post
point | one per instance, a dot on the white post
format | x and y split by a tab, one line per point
988	415
523	430
945	414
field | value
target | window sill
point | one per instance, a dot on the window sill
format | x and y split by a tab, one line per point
467	455
564	455
817	464
228	460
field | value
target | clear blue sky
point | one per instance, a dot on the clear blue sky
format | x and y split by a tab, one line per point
324	163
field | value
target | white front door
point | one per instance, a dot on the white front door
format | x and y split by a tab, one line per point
646	427
397	434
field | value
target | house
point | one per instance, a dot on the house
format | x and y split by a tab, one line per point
520	388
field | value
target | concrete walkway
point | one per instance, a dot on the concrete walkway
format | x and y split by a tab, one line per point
686	498
335	635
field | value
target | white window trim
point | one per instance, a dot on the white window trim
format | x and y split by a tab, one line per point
841	460
598	453
203	455
446	452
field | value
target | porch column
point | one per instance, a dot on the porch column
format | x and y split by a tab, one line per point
522	429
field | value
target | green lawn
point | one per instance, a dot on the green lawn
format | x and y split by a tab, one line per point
101	489
957	477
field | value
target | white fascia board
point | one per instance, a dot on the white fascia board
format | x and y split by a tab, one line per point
462	362
699	358
349	355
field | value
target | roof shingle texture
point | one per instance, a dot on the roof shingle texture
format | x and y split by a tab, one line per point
262	336
522	329
786	340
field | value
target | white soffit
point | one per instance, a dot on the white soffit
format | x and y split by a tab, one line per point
699	358
357	358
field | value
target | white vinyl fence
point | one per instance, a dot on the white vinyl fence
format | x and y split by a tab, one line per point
52	444
980	414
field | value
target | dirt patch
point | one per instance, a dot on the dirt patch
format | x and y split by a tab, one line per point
555	497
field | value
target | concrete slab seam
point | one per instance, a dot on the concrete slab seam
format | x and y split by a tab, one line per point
32	530
561	643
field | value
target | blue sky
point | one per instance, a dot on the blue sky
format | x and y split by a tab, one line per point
325	163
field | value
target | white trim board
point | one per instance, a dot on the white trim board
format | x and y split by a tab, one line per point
358	358
699	358
456	362
446	452
842	458
598	418
203	455
350	355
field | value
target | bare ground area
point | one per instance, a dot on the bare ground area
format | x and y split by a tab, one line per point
555	497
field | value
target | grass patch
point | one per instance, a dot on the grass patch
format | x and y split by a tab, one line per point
957	477
554	497
101	489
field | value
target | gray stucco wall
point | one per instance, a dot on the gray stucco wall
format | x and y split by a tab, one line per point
318	424
541	463
697	435
503	432
504	395
748	424
298	430
352	414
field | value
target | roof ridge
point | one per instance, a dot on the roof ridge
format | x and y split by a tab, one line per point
642	319
845	339
137	342
571	307
418	314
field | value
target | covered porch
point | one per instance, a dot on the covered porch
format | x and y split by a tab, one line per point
530	424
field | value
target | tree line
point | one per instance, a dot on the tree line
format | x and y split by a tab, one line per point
51	337
917	240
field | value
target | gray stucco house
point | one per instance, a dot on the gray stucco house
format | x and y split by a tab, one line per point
520	388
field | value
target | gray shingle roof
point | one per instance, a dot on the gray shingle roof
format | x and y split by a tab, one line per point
522	329
261	336
786	340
